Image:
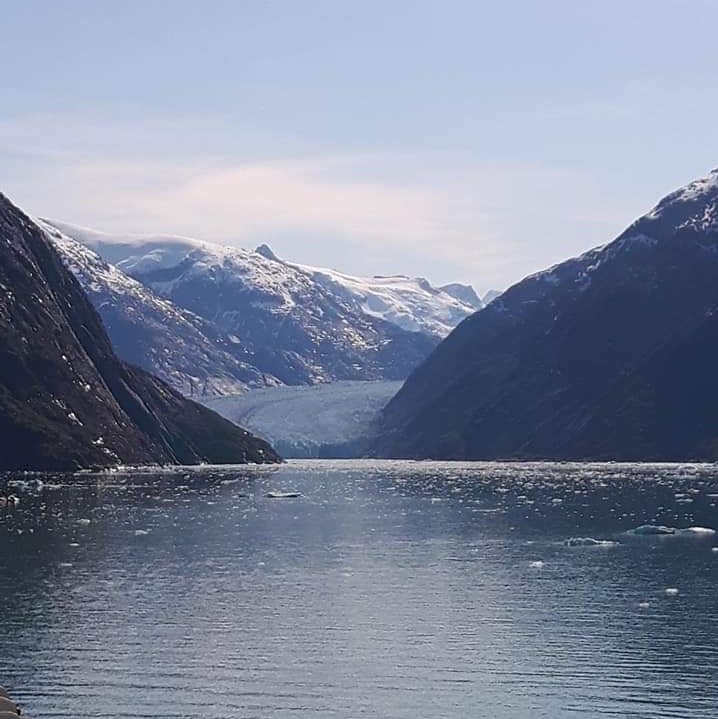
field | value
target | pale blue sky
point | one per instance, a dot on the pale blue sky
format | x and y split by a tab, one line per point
457	139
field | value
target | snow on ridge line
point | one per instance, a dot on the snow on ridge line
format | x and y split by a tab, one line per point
186	357
89	236
412	304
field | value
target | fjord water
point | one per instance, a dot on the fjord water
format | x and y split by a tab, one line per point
388	589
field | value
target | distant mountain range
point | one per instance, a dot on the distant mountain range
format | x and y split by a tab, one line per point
66	400
214	320
611	355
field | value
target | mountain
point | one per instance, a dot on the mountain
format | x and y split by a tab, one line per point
610	355
66	400
410	303
464	293
184	350
294	323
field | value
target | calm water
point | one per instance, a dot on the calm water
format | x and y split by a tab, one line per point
389	589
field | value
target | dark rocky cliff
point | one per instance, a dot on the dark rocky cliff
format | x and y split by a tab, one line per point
66	400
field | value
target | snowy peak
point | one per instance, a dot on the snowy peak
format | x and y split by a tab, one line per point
411	304
149	331
704	188
693	207
463	293
685	220
266	251
292	325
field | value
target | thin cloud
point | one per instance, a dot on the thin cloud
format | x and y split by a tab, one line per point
423	213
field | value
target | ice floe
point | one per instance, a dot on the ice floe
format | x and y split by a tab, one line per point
647	530
588	542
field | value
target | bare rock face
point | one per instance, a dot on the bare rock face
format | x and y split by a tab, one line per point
66	400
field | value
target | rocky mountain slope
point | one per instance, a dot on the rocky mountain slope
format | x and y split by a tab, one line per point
606	356
66	400
295	323
184	350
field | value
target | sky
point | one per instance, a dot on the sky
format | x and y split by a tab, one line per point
458	140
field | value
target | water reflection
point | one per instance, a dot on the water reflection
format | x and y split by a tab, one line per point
392	589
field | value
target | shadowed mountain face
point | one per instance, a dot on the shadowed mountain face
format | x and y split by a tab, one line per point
610	355
66	401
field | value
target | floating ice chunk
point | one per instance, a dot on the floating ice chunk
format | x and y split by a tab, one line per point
644	605
671	591
705	531
588	542
536	565
141	532
283	495
26	485
652	530
83	522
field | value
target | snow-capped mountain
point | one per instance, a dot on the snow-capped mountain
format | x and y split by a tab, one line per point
608	355
146	330
408	302
297	323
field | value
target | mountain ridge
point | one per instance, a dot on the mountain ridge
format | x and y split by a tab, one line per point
550	368
296	324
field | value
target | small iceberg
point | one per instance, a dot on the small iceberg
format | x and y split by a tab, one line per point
660	530
588	542
671	591
536	565
699	531
650	530
283	495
